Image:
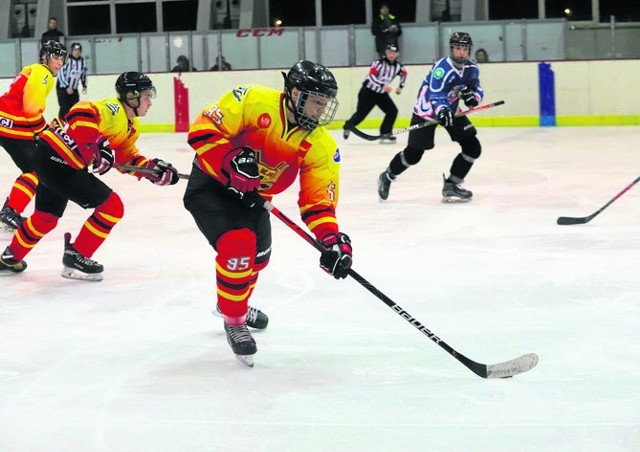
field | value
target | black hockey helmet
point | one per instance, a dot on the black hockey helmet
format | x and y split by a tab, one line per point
460	38
130	86
76	45
311	79
52	48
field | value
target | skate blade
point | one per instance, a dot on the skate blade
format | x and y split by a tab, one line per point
247	360
453	200
72	273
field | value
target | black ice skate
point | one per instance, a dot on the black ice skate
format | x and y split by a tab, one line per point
453	192
10	220
9	264
242	343
255	317
76	266
384	182
387	138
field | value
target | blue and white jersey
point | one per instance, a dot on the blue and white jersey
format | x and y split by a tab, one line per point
442	85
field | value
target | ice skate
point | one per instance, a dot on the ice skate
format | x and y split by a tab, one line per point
454	192
242	343
387	138
9	264
10	220
76	266
255	317
384	183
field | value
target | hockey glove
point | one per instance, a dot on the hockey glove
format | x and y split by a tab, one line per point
445	117
336	259
469	98
102	156
240	167
165	173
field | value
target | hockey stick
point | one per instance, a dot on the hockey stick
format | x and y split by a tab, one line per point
501	370
428	122
582	220
142	169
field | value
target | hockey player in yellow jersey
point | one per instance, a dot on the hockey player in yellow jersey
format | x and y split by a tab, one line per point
96	135
258	140
21	109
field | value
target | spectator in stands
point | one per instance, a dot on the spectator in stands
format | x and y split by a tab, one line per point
52	33
386	28
221	64
184	65
482	56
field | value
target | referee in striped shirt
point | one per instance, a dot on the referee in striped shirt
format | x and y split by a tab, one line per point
375	93
72	73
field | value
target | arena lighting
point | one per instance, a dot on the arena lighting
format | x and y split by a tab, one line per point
277	23
568	11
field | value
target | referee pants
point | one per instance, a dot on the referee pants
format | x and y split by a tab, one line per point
368	99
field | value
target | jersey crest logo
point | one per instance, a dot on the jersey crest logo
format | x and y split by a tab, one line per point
239	92
438	73
115	108
269	175
214	114
264	120
336	156
45	80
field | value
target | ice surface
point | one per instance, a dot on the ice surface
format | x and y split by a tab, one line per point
138	363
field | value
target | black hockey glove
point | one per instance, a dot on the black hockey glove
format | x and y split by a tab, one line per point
469	98
445	117
102	156
336	259
241	169
165	173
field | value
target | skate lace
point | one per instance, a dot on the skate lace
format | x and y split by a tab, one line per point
252	314
239	333
80	259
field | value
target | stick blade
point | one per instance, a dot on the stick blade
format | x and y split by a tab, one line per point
364	136
564	221
516	366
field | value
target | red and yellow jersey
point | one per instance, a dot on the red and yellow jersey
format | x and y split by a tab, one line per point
255	116
87	123
21	107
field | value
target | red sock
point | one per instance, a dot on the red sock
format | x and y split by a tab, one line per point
98	226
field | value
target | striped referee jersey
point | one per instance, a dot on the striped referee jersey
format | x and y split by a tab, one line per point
382	72
73	72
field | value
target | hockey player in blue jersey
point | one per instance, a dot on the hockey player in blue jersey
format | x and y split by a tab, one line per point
450	80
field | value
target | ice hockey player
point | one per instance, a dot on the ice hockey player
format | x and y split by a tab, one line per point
375	93
257	141
96	134
21	109
450	79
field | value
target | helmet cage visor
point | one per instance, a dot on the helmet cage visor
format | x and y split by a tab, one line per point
314	109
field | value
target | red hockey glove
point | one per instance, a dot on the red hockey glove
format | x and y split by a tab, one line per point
165	173
240	167
336	259
102	156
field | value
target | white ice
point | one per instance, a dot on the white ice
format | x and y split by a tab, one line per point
138	363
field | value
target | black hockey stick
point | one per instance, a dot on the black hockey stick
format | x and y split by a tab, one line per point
501	370
582	220
142	169
428	122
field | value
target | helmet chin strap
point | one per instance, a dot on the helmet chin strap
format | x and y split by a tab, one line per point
134	108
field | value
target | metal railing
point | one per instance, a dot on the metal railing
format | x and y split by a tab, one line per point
337	46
